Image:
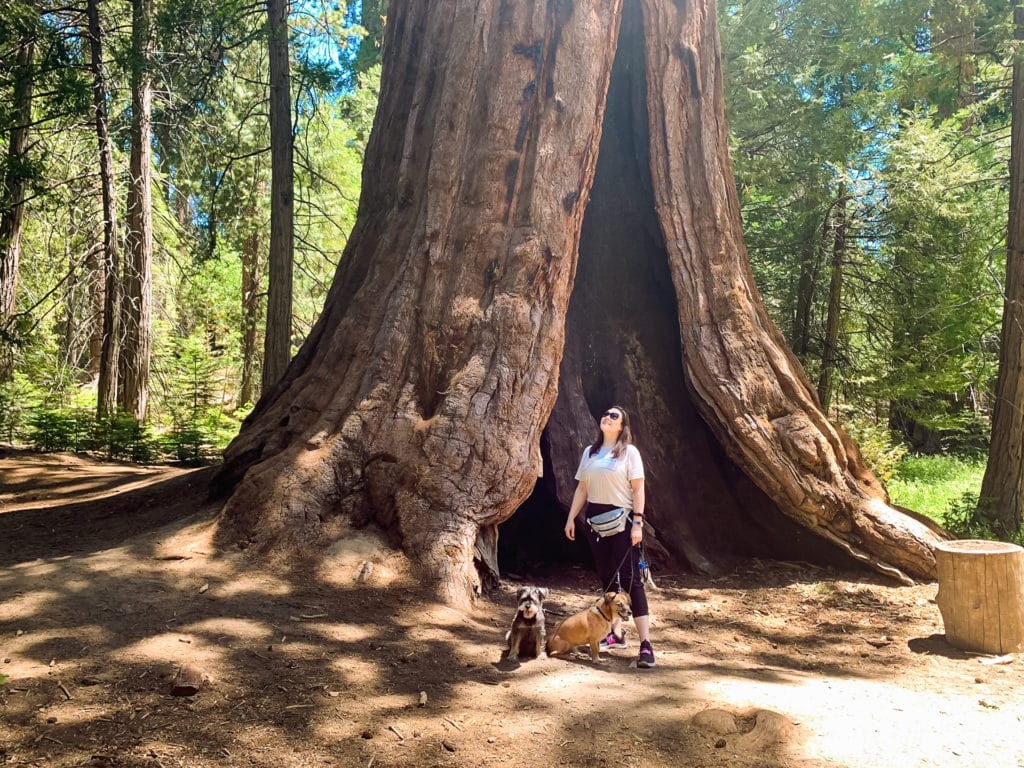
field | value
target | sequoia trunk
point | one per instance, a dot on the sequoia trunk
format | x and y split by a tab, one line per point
750	388
419	398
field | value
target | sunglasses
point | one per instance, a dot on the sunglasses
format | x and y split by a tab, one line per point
613	415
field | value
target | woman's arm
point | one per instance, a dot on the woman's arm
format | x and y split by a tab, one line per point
636	535
578	500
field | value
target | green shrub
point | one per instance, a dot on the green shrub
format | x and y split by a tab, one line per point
880	451
17	398
187	442
962	520
126	438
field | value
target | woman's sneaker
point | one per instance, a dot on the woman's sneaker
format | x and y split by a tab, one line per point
646	660
613	641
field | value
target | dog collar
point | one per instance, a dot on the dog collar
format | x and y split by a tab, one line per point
599	612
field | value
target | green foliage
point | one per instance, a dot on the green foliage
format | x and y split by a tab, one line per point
890	103
962	520
936	485
124	438
880	450
17	399
211	216
62	429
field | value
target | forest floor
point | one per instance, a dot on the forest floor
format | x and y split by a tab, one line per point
109	583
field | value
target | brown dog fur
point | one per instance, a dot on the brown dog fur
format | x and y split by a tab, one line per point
590	626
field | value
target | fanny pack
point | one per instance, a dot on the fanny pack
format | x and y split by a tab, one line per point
609	523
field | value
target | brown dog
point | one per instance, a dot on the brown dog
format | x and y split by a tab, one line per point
589	627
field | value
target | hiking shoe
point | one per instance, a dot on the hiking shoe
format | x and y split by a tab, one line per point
613	641
646	660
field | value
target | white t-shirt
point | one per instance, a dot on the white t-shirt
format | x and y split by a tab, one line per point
607	478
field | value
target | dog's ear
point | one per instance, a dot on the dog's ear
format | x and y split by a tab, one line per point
522	593
543	592
609	597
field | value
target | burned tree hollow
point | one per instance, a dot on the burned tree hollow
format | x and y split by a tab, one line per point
622	346
417	402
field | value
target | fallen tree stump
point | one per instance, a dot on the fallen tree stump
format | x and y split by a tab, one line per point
981	594
188	681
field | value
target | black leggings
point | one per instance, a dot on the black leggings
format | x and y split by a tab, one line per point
616	552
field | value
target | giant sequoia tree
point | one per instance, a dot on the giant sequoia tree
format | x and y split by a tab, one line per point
490	196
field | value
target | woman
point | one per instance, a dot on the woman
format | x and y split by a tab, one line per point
611	476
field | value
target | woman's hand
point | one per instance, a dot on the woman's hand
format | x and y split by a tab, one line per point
579	499
636	534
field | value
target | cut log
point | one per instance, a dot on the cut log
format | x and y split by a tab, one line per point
981	594
188	681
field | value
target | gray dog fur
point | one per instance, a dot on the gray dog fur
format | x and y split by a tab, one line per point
528	636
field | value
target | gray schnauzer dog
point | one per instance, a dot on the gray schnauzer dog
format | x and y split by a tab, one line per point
528	637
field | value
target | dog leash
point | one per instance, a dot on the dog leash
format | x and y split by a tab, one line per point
617	580
642	565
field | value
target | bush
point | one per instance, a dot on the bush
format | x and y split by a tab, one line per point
17	398
126	438
880	451
962	520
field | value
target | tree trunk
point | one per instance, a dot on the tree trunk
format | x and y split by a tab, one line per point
106	395
251	269
622	346
419	397
811	258
1002	488
830	348
12	197
137	299
277	346
418	400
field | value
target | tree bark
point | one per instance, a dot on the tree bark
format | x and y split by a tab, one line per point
1002	488
419	397
622	346
106	395
749	387
12	197
811	258
277	348
137	298
418	400
833	318
251	293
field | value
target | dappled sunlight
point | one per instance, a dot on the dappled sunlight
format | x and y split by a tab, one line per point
228	629
347	633
176	648
36	568
332	662
26	603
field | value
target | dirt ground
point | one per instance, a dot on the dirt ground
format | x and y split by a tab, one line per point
109	585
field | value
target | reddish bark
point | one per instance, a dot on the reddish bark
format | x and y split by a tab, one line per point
418	400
